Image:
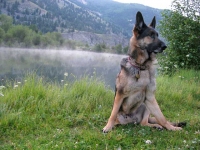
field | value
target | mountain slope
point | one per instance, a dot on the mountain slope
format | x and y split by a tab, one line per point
105	16
120	14
72	17
56	15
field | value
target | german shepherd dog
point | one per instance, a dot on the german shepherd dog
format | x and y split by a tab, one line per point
136	84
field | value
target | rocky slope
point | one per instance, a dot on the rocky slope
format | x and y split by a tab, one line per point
92	39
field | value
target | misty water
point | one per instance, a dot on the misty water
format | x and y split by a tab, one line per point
58	65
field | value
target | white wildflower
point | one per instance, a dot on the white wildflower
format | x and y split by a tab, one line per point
187	55
176	66
15	86
62	80
2	87
184	141
148	142
119	148
66	74
197	132
1	94
19	82
194	141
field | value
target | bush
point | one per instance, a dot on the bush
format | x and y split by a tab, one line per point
70	44
119	49
2	34
181	28
5	22
99	47
36	40
52	39
46	40
8	39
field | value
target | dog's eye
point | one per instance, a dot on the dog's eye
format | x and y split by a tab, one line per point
152	35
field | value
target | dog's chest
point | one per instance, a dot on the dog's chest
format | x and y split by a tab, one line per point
128	82
139	84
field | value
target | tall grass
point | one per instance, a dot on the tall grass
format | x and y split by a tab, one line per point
40	115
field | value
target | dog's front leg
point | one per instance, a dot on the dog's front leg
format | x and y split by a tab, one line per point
116	106
154	108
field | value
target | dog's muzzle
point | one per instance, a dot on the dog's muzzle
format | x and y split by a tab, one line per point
161	48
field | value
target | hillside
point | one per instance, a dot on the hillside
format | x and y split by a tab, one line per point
56	15
77	16
120	14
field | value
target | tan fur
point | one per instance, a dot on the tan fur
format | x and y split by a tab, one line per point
135	98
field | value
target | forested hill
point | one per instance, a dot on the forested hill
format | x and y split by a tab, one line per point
120	14
102	17
56	15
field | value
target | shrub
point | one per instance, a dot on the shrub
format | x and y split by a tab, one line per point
2	34
99	47
181	28
5	22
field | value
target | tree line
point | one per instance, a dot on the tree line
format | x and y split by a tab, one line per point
30	37
26	36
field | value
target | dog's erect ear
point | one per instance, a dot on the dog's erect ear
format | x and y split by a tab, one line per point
153	23
139	25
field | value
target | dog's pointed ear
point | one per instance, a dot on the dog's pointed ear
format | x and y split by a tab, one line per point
140	24
153	23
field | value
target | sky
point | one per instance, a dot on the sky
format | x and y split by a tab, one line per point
161	4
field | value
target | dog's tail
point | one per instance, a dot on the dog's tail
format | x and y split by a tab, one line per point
179	124
153	120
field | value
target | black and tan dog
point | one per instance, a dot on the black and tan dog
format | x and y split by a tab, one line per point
136	84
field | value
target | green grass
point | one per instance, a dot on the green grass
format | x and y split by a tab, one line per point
42	115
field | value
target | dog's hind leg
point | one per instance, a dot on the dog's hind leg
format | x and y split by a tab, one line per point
148	121
152	105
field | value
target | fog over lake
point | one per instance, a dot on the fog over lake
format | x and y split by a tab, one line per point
53	65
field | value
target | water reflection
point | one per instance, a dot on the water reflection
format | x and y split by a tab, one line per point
53	64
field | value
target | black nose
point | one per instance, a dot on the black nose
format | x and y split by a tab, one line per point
163	46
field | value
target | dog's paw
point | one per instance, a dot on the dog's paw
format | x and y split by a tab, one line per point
177	128
173	128
157	126
107	128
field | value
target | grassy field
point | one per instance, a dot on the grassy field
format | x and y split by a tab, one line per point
38	115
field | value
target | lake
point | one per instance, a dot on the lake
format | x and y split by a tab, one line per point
57	65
